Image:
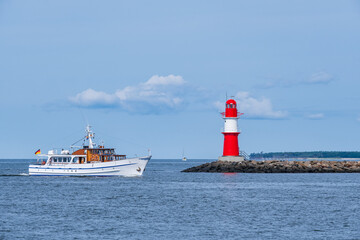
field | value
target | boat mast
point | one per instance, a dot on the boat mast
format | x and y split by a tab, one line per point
90	136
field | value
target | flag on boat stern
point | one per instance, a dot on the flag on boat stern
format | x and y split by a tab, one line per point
38	152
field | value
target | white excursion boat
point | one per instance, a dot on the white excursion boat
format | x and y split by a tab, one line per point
90	160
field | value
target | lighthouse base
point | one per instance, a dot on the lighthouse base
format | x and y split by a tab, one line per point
231	158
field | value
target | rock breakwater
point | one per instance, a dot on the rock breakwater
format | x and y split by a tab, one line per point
276	166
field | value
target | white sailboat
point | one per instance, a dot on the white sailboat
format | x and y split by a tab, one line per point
183	158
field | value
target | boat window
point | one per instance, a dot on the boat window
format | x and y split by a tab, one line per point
74	160
54	159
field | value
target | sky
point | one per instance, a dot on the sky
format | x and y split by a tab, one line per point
156	75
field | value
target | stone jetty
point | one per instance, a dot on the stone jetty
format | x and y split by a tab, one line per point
277	166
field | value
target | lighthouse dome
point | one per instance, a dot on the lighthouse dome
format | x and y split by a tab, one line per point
231	103
230	110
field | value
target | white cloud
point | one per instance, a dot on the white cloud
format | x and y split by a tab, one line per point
220	106
320	78
91	97
168	80
315	116
254	107
158	94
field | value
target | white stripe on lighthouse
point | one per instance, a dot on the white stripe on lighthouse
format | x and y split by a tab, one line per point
230	125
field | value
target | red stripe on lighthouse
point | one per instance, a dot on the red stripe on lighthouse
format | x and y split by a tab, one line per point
231	145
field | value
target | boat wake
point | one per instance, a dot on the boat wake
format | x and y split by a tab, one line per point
14	175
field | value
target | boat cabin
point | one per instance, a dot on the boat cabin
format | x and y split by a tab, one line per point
99	154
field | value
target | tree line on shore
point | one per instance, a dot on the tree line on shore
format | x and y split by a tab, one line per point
316	154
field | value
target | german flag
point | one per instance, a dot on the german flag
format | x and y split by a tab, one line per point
38	152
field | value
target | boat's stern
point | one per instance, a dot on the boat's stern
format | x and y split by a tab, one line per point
35	169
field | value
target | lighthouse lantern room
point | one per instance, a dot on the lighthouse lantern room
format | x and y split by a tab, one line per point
231	132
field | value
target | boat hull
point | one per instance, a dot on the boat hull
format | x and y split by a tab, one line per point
127	167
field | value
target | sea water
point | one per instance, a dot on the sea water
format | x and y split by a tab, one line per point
167	204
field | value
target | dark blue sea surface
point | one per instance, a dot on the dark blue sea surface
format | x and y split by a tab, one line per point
167	204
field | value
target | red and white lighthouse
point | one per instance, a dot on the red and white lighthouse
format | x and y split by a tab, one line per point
231	132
